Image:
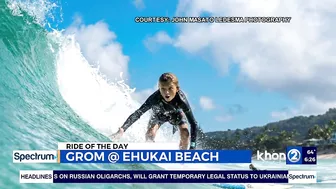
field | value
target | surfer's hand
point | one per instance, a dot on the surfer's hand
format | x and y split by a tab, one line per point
117	135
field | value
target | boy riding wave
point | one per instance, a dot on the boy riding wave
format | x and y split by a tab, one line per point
169	104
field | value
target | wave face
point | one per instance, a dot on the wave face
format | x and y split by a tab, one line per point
50	94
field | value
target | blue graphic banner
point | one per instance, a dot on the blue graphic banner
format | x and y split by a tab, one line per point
163	176
309	155
155	156
294	155
301	155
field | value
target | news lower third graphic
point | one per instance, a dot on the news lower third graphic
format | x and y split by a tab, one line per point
129	153
133	156
156	153
113	153
165	176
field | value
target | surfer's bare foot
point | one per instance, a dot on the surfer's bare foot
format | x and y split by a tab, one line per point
117	135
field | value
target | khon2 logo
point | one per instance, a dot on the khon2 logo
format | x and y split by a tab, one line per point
293	155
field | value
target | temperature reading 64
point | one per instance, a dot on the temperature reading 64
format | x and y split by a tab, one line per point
310	151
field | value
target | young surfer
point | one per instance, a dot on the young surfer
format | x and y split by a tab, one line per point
169	104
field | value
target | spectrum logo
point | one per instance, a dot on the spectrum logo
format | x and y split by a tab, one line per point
35	156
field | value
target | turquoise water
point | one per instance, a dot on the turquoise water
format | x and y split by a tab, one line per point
33	112
50	94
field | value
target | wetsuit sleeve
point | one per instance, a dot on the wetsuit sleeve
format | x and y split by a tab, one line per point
190	116
139	112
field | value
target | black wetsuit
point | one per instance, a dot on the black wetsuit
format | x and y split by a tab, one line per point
173	112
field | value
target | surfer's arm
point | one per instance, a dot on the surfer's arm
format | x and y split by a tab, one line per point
139	112
191	119
193	126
